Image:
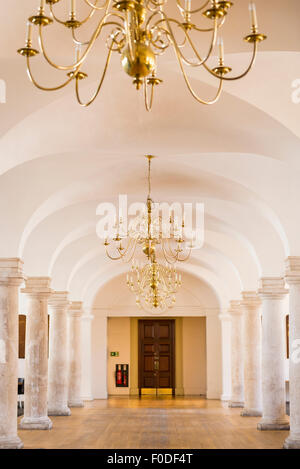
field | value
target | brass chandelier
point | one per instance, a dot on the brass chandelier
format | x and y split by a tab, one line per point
154	285
140	31
153	249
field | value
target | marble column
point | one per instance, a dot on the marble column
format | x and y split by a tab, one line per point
226	358
75	313
237	363
38	291
293	280
86	359
272	292
58	360
11	277
252	355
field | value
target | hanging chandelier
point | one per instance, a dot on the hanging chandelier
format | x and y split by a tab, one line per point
140	31
152	233
153	243
154	285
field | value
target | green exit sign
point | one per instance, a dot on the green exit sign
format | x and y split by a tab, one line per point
114	354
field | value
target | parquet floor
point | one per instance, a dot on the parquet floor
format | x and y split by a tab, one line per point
161	423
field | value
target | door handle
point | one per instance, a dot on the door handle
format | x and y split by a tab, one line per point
156	365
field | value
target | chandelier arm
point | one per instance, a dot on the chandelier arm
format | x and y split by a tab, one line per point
191	12
177	47
63	22
95	7
90	15
185	258
156	5
106	23
148	104
155	13
52	14
75	40
82	58
148	29
170	257
111	257
212	45
206	30
177	255
242	75
43	88
202	101
131	247
109	23
99	86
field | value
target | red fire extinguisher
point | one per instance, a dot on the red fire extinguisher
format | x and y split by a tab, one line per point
119	375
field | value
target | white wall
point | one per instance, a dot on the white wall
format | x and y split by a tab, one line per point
214	357
194	355
118	340
99	357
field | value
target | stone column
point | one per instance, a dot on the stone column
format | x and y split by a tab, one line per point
58	360
226	358
86	359
272	292
11	277
75	313
293	280
36	357
252	355
237	362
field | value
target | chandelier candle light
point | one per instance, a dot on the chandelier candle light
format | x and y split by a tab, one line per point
153	277
140	31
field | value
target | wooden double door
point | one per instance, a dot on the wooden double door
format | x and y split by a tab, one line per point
157	354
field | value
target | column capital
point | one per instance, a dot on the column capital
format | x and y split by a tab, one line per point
292	270
250	300
235	308
272	288
11	271
59	300
38	287
75	308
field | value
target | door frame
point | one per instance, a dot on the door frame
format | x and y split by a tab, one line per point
173	354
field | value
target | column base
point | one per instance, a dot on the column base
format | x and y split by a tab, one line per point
36	423
11	443
251	413
76	403
59	411
235	404
273	425
291	443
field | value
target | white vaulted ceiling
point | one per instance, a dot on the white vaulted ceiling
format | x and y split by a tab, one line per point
240	157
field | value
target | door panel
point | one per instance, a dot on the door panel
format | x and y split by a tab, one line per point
156	354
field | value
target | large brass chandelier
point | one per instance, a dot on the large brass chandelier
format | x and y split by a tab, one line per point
140	31
153	243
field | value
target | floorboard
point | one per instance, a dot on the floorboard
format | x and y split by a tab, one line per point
151	422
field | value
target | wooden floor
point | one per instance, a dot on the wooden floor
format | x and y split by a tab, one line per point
150	422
